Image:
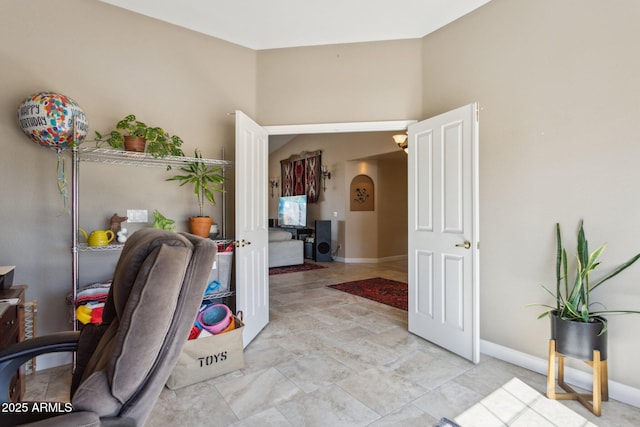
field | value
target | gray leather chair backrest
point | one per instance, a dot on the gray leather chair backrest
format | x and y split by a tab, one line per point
155	295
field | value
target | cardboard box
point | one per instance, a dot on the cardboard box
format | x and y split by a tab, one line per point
209	357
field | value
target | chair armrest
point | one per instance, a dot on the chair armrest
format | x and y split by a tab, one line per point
12	357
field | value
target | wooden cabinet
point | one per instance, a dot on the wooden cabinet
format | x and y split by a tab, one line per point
12	331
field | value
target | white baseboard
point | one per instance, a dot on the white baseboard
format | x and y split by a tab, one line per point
618	391
372	260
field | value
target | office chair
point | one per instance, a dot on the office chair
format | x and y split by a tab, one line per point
123	363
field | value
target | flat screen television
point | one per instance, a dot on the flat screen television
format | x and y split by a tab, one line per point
292	211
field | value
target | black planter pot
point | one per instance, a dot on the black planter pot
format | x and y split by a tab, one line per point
578	339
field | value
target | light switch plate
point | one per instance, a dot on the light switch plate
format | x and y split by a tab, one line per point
137	215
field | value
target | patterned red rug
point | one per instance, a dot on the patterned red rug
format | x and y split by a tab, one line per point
294	268
386	291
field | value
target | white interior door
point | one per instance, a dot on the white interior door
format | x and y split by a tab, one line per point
443	231
252	279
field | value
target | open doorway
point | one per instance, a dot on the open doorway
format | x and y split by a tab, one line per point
356	236
251	205
460	143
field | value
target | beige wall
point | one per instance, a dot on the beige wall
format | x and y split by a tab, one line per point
361	227
558	86
113	63
392	207
340	83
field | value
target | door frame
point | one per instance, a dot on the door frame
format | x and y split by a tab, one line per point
344	127
311	128
397	125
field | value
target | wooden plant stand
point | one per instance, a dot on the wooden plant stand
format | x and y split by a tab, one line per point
600	392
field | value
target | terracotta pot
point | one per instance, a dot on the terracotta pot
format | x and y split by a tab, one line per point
578	339
200	225
134	143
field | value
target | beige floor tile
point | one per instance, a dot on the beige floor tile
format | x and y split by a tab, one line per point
271	417
314	371
192	406
557	413
407	416
447	400
504	405
329	358
329	406
531	419
478	416
381	389
257	392
427	370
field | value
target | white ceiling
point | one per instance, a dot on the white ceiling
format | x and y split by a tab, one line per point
269	24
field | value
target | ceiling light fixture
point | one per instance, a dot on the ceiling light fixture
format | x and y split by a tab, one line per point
401	140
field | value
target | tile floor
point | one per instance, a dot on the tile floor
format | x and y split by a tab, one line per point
517	404
328	358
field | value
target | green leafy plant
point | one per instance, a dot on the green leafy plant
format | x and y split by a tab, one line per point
162	222
159	142
573	296
205	180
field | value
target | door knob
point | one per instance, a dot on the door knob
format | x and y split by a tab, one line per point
465	245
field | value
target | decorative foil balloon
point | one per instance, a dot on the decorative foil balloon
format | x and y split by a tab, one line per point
48	119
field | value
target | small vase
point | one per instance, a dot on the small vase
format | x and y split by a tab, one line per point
134	143
578	339
200	225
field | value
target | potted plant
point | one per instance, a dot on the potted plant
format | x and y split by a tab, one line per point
205	180
577	322
162	222
134	135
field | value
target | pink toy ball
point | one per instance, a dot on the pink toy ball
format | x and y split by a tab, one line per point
48	119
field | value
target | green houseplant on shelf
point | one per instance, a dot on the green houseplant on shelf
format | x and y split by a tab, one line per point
577	322
206	180
162	222
134	135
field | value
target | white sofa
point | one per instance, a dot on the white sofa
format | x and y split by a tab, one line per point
284	250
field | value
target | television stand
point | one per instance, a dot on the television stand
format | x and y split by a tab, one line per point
298	233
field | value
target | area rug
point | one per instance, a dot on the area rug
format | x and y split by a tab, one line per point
294	268
385	291
516	403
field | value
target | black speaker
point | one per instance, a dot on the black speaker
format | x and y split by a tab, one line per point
322	241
